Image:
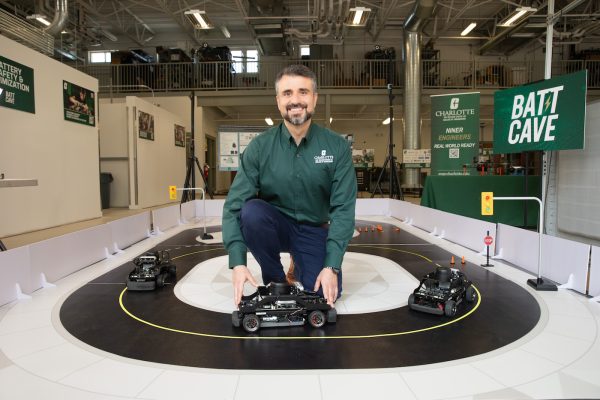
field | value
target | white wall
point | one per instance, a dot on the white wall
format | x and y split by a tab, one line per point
61	155
143	169
578	174
114	157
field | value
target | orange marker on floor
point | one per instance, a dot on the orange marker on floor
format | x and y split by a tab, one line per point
452	261
380	228
463	260
397	229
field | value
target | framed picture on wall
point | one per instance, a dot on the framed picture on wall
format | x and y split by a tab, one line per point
79	104
146	125
179	136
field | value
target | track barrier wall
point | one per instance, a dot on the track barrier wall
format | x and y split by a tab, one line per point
594	273
29	268
188	211
165	218
129	230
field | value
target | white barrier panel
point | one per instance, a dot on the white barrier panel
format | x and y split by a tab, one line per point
519	246
14	269
188	211
423	217
400	209
214	208
165	218
565	261
129	230
468	232
372	207
63	255
594	272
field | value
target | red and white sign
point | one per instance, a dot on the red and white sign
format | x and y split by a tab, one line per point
488	240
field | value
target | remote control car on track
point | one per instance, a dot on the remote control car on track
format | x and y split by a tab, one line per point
282	304
441	292
151	271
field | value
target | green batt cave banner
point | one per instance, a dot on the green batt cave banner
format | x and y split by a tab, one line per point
454	133
547	115
16	86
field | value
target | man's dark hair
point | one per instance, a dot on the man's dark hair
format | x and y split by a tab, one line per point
296	70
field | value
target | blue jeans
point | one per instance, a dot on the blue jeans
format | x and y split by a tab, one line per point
267	232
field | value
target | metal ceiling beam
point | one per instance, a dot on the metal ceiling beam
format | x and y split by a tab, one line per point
124	20
180	19
251	31
386	14
490	44
451	21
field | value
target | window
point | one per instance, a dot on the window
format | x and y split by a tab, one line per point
245	61
304	51
99	57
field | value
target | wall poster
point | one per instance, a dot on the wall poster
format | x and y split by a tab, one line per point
146	125
179	136
79	104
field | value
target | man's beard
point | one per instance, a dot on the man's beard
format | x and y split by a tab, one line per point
297	120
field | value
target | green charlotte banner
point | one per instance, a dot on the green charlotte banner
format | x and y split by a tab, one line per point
548	115
454	133
16	86
79	104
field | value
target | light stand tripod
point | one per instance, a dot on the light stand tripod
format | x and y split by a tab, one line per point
190	175
395	188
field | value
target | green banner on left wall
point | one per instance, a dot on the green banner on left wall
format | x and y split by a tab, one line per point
16	86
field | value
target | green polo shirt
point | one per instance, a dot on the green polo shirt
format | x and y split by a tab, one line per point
313	183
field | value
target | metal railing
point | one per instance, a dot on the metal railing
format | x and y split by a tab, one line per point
366	74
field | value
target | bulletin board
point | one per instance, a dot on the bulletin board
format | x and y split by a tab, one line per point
232	141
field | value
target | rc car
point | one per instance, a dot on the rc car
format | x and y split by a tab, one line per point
151	271
441	292
282	304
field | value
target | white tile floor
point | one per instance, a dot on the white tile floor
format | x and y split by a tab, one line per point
558	359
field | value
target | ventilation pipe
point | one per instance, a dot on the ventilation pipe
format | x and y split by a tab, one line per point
413	27
60	18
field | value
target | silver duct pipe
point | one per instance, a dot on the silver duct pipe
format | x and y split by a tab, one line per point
60	18
413	26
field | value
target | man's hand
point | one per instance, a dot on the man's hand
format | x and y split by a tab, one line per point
241	274
329	281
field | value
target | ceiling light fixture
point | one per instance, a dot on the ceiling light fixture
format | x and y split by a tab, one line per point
358	16
225	31
40	18
330	119
269	121
517	14
199	19
468	29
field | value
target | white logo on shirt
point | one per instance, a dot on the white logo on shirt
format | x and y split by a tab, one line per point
323	158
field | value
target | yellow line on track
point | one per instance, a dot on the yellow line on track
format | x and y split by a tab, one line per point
378	335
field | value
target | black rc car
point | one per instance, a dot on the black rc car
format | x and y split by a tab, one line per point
281	304
151	271
441	292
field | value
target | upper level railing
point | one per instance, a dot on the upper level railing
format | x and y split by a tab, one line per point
367	74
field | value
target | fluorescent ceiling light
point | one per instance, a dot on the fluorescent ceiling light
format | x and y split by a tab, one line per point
516	15
225	31
468	29
330	119
386	121
358	16
269	121
40	18
199	19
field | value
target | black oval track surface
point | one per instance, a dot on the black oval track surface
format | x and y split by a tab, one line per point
93	315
